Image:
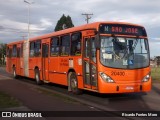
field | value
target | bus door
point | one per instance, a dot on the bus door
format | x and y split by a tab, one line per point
89	63
45	61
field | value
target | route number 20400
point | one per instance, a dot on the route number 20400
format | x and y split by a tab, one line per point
119	73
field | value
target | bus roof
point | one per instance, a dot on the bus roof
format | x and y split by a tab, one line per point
94	25
16	42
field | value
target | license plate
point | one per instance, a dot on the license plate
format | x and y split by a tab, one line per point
129	88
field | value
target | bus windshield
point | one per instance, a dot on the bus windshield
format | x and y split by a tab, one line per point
126	53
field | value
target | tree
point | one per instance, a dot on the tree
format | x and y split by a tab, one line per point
2	53
63	23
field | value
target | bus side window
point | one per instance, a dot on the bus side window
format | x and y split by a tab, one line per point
54	46
7	52
21	51
76	44
18	52
10	53
65	45
14	51
31	53
37	49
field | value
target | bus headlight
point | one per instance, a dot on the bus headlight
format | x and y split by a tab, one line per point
106	78
146	78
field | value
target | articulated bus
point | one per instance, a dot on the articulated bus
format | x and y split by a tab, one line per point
104	57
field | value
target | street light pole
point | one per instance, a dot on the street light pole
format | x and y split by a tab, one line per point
29	3
26	44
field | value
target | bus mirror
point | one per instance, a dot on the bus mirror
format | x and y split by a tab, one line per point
97	41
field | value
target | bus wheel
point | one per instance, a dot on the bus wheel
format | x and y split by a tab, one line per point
14	73
37	77
74	83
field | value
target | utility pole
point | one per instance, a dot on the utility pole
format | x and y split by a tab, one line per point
88	16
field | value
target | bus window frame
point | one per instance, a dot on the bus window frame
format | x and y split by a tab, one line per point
34	48
7	51
55	47
18	52
14	50
93	49
10	52
21	50
30	48
61	46
87	48
79	39
37	48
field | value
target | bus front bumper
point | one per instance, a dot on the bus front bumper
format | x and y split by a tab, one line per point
125	87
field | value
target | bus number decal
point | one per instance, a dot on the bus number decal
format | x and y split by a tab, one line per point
119	73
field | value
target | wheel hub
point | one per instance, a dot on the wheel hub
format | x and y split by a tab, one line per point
74	83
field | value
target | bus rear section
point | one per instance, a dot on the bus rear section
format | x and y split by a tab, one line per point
14	59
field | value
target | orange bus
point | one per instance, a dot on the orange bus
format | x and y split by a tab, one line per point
104	57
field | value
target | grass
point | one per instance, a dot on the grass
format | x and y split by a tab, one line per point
155	73
6	101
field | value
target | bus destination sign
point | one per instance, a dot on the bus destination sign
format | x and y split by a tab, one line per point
122	29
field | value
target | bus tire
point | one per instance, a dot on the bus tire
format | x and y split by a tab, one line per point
37	77
73	83
14	73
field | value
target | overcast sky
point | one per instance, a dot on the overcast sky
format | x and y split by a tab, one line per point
44	15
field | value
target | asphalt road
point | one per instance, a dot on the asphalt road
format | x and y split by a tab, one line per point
51	104
56	98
